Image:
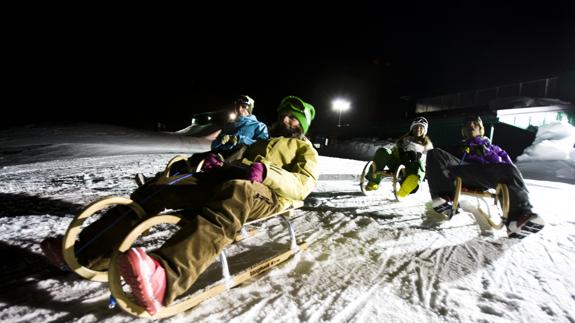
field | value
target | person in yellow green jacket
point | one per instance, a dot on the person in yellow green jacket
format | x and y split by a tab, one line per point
409	150
270	175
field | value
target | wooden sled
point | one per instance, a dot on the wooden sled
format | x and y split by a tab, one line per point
70	238
396	176
75	227
500	198
126	303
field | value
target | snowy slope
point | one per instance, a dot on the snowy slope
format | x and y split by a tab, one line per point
35	143
370	260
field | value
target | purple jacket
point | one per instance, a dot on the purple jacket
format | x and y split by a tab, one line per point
480	150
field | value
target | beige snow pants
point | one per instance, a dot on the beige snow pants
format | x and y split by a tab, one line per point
218	208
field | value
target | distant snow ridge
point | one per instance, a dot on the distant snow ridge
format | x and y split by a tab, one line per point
554	141
358	148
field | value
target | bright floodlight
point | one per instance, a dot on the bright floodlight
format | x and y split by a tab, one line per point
340	105
232	116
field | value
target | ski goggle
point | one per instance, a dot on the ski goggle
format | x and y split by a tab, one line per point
242	100
420	120
295	105
292	103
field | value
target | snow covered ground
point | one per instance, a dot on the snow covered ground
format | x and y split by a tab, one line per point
370	259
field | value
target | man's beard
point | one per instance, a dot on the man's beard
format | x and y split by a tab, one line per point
279	129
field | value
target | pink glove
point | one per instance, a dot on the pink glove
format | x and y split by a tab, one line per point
212	161
257	172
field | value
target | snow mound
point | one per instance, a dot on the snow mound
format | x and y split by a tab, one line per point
554	141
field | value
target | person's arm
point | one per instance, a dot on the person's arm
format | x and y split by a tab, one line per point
502	154
413	151
217	143
429	145
262	132
300	180
244	140
483	152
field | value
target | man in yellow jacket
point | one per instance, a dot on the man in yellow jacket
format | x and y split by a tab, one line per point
269	176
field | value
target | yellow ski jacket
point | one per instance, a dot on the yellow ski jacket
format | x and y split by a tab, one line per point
292	166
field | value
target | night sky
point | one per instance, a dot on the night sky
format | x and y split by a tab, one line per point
140	69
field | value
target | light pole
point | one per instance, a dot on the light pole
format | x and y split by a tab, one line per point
340	105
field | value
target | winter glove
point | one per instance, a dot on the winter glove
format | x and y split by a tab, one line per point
229	138
225	139
412	156
478	150
257	172
413	151
212	161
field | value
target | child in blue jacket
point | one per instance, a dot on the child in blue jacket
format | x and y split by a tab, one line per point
245	130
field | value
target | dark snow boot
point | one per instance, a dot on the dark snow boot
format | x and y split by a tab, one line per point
525	225
52	249
140	179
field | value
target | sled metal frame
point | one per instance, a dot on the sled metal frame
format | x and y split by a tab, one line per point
75	227
125	302
396	176
500	199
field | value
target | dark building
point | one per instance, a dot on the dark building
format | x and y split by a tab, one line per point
511	112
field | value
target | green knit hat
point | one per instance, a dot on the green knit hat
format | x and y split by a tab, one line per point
302	111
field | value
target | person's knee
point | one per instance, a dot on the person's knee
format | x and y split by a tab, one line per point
232	193
431	154
382	152
237	185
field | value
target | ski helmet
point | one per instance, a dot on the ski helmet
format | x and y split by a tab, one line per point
245	101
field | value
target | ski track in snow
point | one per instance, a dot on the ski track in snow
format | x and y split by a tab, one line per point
371	259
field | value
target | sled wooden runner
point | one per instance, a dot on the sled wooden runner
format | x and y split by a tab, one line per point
191	168
500	198
75	227
396	176
125	301
174	160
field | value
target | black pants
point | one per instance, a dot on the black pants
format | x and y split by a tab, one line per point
442	168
